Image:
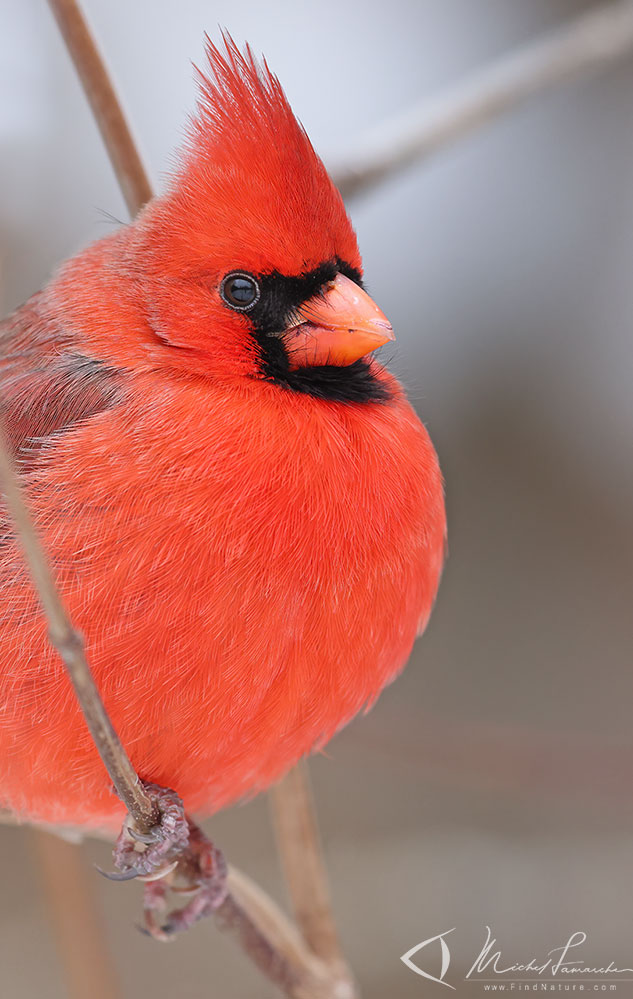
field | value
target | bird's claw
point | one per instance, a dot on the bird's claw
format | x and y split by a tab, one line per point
201	872
155	853
128	875
147	838
174	855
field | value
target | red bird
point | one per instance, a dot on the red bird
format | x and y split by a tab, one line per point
244	513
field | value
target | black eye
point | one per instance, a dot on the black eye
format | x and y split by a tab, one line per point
240	291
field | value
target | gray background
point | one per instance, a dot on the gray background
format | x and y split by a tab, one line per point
491	784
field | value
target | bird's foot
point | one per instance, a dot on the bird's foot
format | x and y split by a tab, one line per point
201	872
154	854
175	855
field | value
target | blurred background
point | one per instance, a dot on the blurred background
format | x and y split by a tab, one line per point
491	785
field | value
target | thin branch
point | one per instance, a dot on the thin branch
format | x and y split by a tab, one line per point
105	104
75	919
282	933
305	871
274	943
69	644
593	41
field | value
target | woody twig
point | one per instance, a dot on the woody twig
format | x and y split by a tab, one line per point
594	41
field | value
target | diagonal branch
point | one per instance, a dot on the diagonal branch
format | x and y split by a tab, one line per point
593	41
105	104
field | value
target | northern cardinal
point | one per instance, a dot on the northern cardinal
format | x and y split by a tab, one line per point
244	514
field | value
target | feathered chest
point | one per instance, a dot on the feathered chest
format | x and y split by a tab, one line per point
248	571
180	488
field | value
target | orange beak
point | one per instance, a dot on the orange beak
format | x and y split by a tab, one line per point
338	326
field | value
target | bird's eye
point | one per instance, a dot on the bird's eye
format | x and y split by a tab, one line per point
240	291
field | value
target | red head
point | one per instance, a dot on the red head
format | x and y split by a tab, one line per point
251	185
249	260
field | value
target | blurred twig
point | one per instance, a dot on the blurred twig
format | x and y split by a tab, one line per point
75	919
105	105
305	871
594	40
